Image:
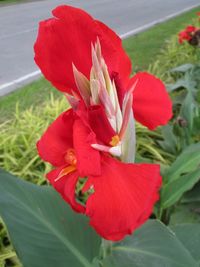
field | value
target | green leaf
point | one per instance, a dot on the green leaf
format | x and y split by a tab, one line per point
152	245
189	235
188	110
188	161
170	142
187	82
193	195
185	213
183	68
44	230
178	84
173	191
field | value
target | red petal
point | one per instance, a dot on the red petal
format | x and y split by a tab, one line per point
57	139
67	38
88	159
123	197
100	125
190	28
66	186
151	103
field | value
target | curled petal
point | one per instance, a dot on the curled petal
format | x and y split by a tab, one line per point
152	105
67	38
123	197
57	139
66	186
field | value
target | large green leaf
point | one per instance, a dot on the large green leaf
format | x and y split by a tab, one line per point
153	245
188	161
174	190
181	176
189	235
44	230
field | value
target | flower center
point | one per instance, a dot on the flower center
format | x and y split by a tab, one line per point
115	140
100	89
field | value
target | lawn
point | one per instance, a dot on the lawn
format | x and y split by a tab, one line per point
8	2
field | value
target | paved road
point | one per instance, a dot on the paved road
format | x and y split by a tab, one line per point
18	28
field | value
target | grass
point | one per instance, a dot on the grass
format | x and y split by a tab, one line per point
142	49
19	135
8	2
5	2
35	94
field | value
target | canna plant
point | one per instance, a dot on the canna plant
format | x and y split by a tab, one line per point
95	140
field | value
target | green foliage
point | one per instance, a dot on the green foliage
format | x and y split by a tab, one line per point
187	161
173	191
184	213
186	102
71	241
43	228
7	254
189	235
172	55
152	245
193	195
19	136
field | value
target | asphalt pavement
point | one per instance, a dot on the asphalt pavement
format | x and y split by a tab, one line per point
19	23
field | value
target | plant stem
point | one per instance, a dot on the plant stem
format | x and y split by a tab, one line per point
106	248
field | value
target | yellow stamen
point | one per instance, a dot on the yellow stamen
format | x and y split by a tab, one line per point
115	140
65	171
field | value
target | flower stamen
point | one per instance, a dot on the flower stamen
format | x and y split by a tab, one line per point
65	171
115	140
70	158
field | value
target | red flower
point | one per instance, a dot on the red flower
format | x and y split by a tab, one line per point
187	34
67	39
85	59
124	194
190	29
